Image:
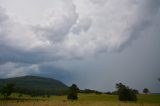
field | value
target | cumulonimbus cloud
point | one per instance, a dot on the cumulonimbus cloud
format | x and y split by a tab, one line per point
77	29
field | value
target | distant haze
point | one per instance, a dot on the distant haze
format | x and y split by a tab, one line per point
93	43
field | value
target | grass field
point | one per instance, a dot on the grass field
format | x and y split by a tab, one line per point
84	100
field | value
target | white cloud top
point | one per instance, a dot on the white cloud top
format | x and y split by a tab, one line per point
73	29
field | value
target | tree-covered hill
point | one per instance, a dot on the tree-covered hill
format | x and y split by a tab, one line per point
35	85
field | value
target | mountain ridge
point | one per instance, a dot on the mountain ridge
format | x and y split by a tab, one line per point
36	85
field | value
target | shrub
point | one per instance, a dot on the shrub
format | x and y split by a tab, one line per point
73	92
7	90
72	96
125	93
145	90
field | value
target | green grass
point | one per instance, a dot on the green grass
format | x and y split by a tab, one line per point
142	98
149	98
97	97
90	99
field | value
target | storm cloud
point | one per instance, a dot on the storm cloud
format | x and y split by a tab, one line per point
108	28
54	33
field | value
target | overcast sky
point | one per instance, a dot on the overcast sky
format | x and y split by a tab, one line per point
93	43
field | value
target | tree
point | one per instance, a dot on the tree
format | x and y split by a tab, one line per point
145	90
7	90
120	87
48	94
135	91
73	92
125	93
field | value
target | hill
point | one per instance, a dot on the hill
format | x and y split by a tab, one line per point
35	85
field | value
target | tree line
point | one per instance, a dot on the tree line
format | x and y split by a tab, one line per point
124	92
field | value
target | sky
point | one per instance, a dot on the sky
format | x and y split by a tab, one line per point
93	43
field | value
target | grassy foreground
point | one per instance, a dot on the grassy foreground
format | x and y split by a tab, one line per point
84	100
